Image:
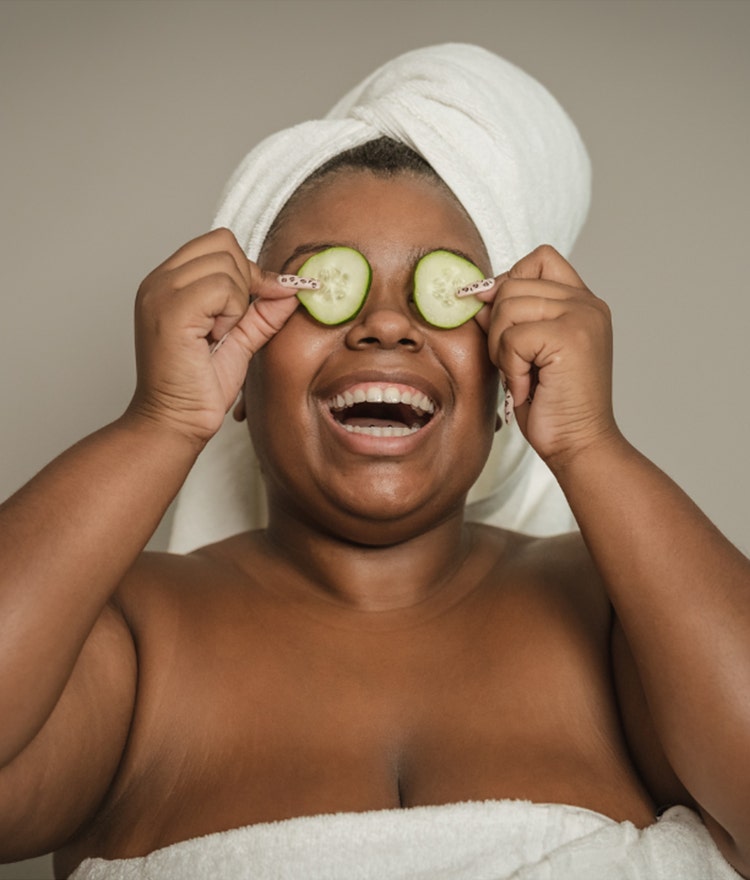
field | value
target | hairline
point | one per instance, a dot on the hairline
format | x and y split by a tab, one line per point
411	164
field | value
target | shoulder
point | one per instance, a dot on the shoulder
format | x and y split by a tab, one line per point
552	585
184	615
560	567
163	589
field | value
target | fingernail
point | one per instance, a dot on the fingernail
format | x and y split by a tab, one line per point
298	283
476	287
509	407
215	346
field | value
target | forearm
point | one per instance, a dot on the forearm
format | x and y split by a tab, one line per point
66	540
682	594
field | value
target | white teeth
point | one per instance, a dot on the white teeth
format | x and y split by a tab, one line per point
388	394
373	431
421	401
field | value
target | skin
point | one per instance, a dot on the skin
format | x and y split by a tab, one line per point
369	649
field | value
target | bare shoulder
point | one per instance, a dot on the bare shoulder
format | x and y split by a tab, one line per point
566	562
561	568
164	591
55	786
164	609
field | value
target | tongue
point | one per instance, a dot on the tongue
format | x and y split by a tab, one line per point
370	422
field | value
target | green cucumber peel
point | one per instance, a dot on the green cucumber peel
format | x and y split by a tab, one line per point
345	277
437	278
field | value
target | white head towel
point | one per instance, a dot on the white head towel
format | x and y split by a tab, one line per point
514	160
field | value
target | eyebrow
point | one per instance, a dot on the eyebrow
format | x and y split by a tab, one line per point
414	256
418	253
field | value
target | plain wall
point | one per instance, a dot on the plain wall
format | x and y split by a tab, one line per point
121	121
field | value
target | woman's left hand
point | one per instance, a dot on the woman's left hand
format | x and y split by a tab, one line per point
551	338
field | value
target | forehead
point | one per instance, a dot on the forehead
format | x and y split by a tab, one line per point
377	215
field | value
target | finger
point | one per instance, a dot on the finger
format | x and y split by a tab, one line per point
207	265
524	351
207	308
484	318
263	320
487	295
539	287
517	310
220	248
484	290
269	285
545	262
210	242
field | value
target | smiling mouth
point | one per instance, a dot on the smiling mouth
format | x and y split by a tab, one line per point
380	410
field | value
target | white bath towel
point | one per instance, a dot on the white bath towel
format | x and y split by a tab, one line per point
490	840
515	161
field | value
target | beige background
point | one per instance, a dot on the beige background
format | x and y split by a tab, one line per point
121	120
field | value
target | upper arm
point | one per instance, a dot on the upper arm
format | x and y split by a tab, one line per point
56	784
648	755
643	741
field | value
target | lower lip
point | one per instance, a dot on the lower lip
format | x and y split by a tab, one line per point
368	444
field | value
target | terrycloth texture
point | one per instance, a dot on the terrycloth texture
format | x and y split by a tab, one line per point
514	160
490	840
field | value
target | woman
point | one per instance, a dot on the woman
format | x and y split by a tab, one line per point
370	651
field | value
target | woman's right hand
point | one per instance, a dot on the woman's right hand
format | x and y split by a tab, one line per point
200	317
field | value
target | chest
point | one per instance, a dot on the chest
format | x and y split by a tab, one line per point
255	719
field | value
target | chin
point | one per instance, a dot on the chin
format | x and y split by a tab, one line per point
387	515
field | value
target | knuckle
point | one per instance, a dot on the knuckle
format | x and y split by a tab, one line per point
605	310
225	236
224	262
148	294
546	252
255	274
513	288
222	282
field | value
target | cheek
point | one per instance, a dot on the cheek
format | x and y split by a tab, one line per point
477	376
280	374
289	358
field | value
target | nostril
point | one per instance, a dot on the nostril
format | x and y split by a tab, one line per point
383	327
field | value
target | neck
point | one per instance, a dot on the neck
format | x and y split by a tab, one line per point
372	578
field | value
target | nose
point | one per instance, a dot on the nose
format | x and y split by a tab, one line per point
383	323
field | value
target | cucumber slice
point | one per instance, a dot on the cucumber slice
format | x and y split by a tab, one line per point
437	277
345	278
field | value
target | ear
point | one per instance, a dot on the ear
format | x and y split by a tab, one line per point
239	412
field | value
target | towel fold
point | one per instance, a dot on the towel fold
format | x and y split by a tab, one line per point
488	840
515	161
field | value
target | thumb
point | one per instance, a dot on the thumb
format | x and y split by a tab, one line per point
262	320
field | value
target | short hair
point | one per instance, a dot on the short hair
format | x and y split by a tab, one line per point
384	157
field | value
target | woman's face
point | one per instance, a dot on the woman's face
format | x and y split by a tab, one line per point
323	456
